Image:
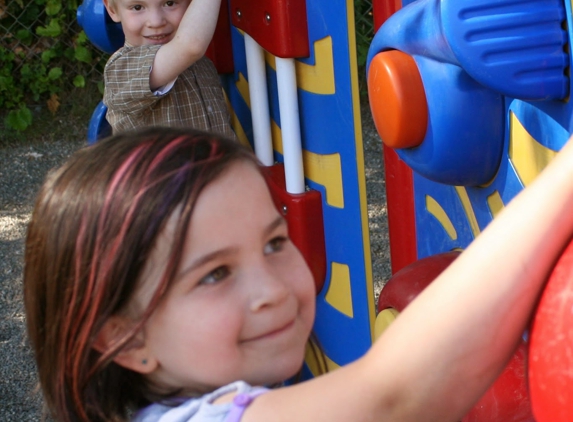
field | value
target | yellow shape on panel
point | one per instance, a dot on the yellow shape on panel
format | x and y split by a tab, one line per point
317	78
318	363
495	203
339	294
239	131
438	212
528	156
243	88
324	169
383	320
327	171
468	209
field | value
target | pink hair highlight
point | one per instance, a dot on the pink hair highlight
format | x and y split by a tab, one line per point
83	321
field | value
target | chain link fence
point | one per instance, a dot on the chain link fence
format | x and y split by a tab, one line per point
36	32
44	54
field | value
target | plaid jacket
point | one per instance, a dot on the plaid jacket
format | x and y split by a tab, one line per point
195	100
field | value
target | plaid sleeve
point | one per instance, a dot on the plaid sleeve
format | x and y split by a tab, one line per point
126	77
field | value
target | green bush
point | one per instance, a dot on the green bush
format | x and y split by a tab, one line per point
43	55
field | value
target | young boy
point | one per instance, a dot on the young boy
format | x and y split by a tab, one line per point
161	77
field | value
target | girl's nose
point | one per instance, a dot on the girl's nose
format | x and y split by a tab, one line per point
267	289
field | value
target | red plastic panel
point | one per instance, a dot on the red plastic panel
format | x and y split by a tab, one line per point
507	399
401	216
407	283
279	26
220	51
303	213
551	346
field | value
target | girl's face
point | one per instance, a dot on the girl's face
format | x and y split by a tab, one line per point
242	304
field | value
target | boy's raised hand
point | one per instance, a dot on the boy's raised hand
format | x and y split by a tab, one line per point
189	44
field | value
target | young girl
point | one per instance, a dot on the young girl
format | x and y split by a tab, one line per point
161	285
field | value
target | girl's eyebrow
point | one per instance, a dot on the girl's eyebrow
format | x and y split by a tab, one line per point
204	259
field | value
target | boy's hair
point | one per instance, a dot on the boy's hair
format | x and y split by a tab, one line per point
94	225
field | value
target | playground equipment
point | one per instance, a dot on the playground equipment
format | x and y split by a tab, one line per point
471	100
293	89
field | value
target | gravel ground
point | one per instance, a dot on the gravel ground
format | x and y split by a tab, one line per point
22	170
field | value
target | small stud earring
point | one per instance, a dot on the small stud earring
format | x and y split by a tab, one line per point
144	361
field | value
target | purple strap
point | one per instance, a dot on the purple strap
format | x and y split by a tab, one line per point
240	403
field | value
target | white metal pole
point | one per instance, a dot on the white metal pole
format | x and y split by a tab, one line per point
290	125
260	113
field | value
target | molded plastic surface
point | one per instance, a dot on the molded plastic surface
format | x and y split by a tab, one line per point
458	149
397	99
401	211
98	127
513	47
383	9
507	399
104	33
551	346
407	283
279	26
303	213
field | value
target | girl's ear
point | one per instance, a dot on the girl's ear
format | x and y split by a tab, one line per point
111	11
134	355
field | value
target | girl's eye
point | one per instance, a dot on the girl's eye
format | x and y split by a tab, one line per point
137	7
275	245
218	274
169	3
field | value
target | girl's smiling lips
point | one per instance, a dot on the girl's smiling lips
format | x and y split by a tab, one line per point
271	334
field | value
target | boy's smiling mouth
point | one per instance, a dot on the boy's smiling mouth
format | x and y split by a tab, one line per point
159	38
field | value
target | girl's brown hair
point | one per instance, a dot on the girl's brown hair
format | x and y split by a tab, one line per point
94	225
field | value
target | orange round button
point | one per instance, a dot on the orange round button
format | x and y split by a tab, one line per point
397	99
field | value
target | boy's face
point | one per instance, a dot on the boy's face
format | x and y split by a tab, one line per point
147	22
242	304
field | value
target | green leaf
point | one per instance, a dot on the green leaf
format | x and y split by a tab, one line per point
6	82
24	36
53	29
53	7
19	119
82	54
25	70
82	38
79	81
49	55
55	73
69	53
